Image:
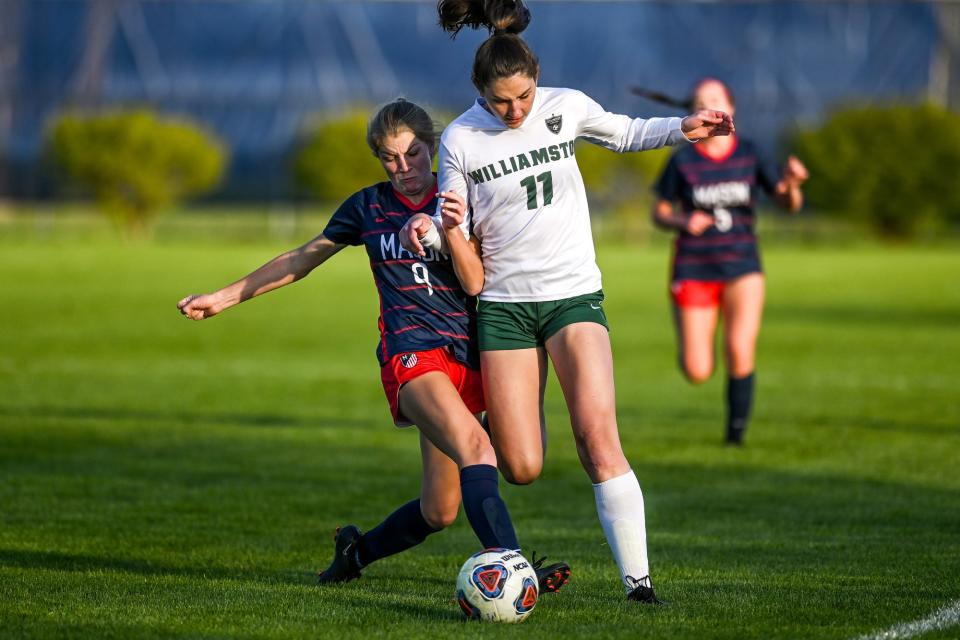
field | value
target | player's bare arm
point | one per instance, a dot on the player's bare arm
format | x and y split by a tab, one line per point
281	271
464	253
707	123
666	216
789	192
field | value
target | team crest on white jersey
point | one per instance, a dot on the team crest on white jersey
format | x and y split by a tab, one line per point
554	123
409	360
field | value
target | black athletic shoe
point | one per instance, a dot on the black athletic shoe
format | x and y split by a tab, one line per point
643	591
344	567
735	433
551	577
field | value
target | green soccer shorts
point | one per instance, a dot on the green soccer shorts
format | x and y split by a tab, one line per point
525	325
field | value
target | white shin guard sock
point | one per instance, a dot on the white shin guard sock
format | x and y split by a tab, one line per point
620	509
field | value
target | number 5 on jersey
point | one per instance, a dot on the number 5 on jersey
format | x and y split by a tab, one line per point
531	185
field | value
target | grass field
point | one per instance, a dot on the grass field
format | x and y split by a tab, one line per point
162	478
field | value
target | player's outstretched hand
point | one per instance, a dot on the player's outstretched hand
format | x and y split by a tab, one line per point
199	307
698	222
416	227
707	123
453	210
795	172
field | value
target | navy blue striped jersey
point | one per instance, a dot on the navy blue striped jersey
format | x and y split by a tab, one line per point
422	305
726	188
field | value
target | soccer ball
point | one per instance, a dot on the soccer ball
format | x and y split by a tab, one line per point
498	585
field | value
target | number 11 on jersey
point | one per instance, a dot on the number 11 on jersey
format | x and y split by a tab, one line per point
531	185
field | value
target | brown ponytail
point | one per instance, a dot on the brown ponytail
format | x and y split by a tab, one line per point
503	54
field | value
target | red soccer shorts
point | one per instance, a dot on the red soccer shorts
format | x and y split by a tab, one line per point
403	368
697	293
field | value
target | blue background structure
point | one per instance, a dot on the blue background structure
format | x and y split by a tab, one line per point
260	72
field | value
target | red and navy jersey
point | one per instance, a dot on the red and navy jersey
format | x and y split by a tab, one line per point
726	188
422	305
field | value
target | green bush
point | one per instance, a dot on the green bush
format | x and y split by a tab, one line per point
335	160
620	184
895	167
135	163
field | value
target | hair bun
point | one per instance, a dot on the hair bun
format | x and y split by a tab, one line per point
515	21
497	16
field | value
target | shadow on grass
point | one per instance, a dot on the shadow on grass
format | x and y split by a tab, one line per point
161	417
940	429
77	562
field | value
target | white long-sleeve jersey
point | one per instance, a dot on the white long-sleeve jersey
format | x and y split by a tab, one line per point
526	200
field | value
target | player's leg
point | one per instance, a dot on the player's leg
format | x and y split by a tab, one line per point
410	525
420	390
478	478
440	486
436	406
406	527
583	361
696	326
742	313
513	382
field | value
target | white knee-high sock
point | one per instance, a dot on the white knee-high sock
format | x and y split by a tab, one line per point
620	508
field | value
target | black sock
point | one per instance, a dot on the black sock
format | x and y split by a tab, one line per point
739	401
485	509
404	528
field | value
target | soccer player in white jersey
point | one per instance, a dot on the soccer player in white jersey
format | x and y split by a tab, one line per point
511	155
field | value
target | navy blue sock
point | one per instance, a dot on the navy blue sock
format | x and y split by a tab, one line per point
739	401
485	509
404	528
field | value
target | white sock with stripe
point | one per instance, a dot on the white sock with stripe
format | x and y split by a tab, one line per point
620	509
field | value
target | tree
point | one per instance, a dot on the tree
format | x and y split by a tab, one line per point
135	163
894	167
335	160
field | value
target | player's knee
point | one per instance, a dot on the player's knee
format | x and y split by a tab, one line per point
521	469
741	365
696	372
476	449
439	516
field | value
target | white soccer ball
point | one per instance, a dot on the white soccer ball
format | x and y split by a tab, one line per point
498	585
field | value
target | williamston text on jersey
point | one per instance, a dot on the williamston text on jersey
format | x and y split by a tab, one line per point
521	161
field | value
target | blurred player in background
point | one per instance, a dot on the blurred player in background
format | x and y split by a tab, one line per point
511	156
716	265
427	349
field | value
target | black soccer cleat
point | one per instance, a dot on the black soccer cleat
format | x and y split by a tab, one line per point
552	577
643	591
344	567
736	429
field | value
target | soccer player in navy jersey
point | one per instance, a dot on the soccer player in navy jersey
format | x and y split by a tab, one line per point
716	265
427	351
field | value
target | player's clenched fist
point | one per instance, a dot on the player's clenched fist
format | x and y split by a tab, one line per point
417	227
199	307
698	222
707	123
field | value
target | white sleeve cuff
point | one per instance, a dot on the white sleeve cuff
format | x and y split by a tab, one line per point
677	136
